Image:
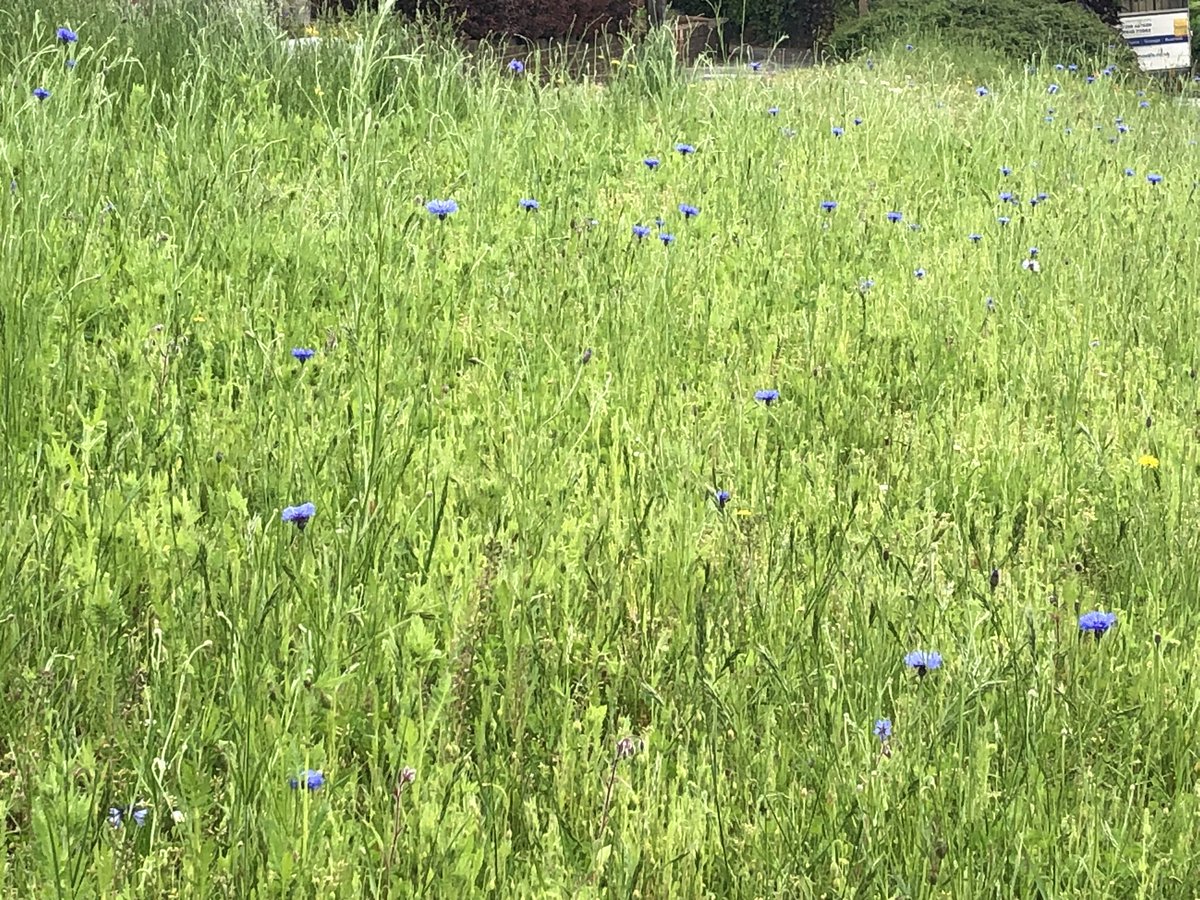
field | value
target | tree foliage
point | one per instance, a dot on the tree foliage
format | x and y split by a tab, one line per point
767	21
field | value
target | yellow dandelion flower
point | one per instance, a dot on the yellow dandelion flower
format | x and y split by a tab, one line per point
1148	461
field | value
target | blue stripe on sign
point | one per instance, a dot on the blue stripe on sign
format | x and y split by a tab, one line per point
1155	41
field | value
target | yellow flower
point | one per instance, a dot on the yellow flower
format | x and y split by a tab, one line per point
199	318
1147	461
317	90
743	514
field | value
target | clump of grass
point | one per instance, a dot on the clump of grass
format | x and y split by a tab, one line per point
547	507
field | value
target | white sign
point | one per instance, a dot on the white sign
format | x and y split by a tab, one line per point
1161	40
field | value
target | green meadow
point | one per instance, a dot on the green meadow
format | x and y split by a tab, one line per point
578	610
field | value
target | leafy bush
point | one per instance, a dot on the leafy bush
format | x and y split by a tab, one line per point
766	21
1017	28
1108	10
1194	9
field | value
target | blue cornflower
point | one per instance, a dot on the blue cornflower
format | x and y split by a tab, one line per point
666	238
641	231
883	729
1072	68
1033	251
1122	128
660	222
828	205
70	63
895	216
516	67
865	285
918	274
974	237
870	65
1003	220
721	498
66	36
1042	197
1049	119
684	149
1091	79
1053	89
1129	173
442	208
772	110
529	204
1058	67
689	212
768	396
299	514
302	354
981	91
755	65
837	131
116	815
990	304
309	779
651	162
1005	171
1145	104
923	661
1097	622
41	93
1007	197
909	47
1154	178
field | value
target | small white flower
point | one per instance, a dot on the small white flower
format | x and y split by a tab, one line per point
1031	265
177	816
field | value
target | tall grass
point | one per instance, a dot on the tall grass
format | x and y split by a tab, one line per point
512	430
